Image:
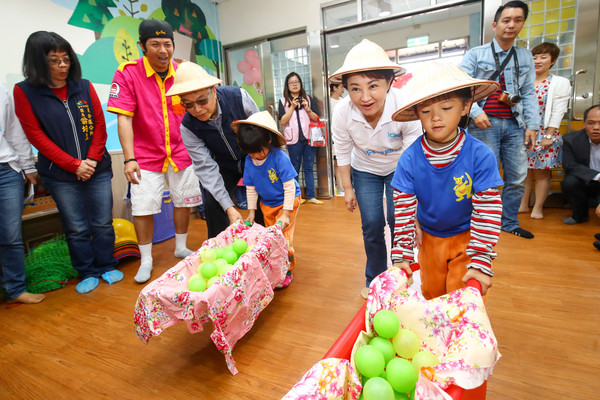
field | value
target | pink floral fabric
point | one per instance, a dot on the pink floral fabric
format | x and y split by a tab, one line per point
232	304
332	378
454	327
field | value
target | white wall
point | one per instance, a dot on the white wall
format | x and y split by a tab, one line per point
243	20
19	19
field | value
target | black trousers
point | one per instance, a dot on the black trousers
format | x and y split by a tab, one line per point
216	217
580	195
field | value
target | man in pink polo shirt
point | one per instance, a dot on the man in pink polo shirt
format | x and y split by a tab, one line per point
149	134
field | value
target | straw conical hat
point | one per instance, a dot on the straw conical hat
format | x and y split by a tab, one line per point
262	119
191	77
435	78
365	56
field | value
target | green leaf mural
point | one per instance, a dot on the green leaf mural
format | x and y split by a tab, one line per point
98	63
125	47
114	25
92	14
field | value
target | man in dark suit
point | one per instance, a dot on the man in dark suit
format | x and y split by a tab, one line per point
581	161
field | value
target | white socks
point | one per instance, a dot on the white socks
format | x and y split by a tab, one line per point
145	269
181	250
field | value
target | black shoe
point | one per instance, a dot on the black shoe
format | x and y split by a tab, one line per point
573	221
597	236
521	233
597	245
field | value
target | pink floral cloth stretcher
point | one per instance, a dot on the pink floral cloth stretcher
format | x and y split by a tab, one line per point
232	304
454	327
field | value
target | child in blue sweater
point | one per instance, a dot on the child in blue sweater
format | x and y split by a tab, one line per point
269	173
449	181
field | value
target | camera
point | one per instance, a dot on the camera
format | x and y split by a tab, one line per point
510	99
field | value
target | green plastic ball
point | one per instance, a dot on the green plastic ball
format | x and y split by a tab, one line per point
424	358
240	246
385	346
386	323
219	262
197	285
378	389
208	255
369	361
219	252
230	256
208	270
211	281
401	374
400	396
223	269
406	343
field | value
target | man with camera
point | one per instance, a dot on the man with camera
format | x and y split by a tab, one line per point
507	120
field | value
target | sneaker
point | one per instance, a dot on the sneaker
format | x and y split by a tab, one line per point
573	221
315	201
521	233
597	245
597	236
302	201
286	282
364	292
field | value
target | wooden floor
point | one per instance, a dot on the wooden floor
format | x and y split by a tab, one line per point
544	307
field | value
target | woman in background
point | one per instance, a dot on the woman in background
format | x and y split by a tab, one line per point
553	93
296	111
62	118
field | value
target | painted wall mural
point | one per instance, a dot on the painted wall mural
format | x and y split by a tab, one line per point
115	26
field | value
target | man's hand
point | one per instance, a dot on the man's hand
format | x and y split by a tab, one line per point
482	121
132	172
530	137
233	214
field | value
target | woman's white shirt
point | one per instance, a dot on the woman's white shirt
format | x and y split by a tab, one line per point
557	101
367	149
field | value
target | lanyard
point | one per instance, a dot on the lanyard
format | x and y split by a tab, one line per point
500	68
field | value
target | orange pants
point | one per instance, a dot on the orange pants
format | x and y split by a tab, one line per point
443	263
272	213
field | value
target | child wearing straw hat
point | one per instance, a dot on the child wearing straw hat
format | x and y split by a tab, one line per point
450	179
268	172
368	144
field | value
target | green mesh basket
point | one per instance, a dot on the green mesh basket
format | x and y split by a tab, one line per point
48	266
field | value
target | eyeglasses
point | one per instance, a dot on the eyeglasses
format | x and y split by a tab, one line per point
293	83
57	61
190	104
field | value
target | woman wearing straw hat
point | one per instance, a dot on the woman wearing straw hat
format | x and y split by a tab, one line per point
368	144
207	134
451	180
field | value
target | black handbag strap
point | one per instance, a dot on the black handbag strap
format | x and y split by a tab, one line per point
500	67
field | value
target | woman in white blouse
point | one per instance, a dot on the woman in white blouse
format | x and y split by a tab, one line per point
368	144
553	93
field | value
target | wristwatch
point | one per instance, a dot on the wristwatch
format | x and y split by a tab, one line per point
549	137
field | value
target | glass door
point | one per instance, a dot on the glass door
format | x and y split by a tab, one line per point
261	67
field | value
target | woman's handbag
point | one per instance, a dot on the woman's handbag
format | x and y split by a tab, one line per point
317	134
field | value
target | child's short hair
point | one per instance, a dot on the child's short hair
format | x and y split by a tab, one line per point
253	139
465	94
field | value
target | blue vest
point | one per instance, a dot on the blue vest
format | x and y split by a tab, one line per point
69	125
222	143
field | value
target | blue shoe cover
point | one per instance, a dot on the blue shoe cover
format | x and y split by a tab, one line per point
87	285
113	276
